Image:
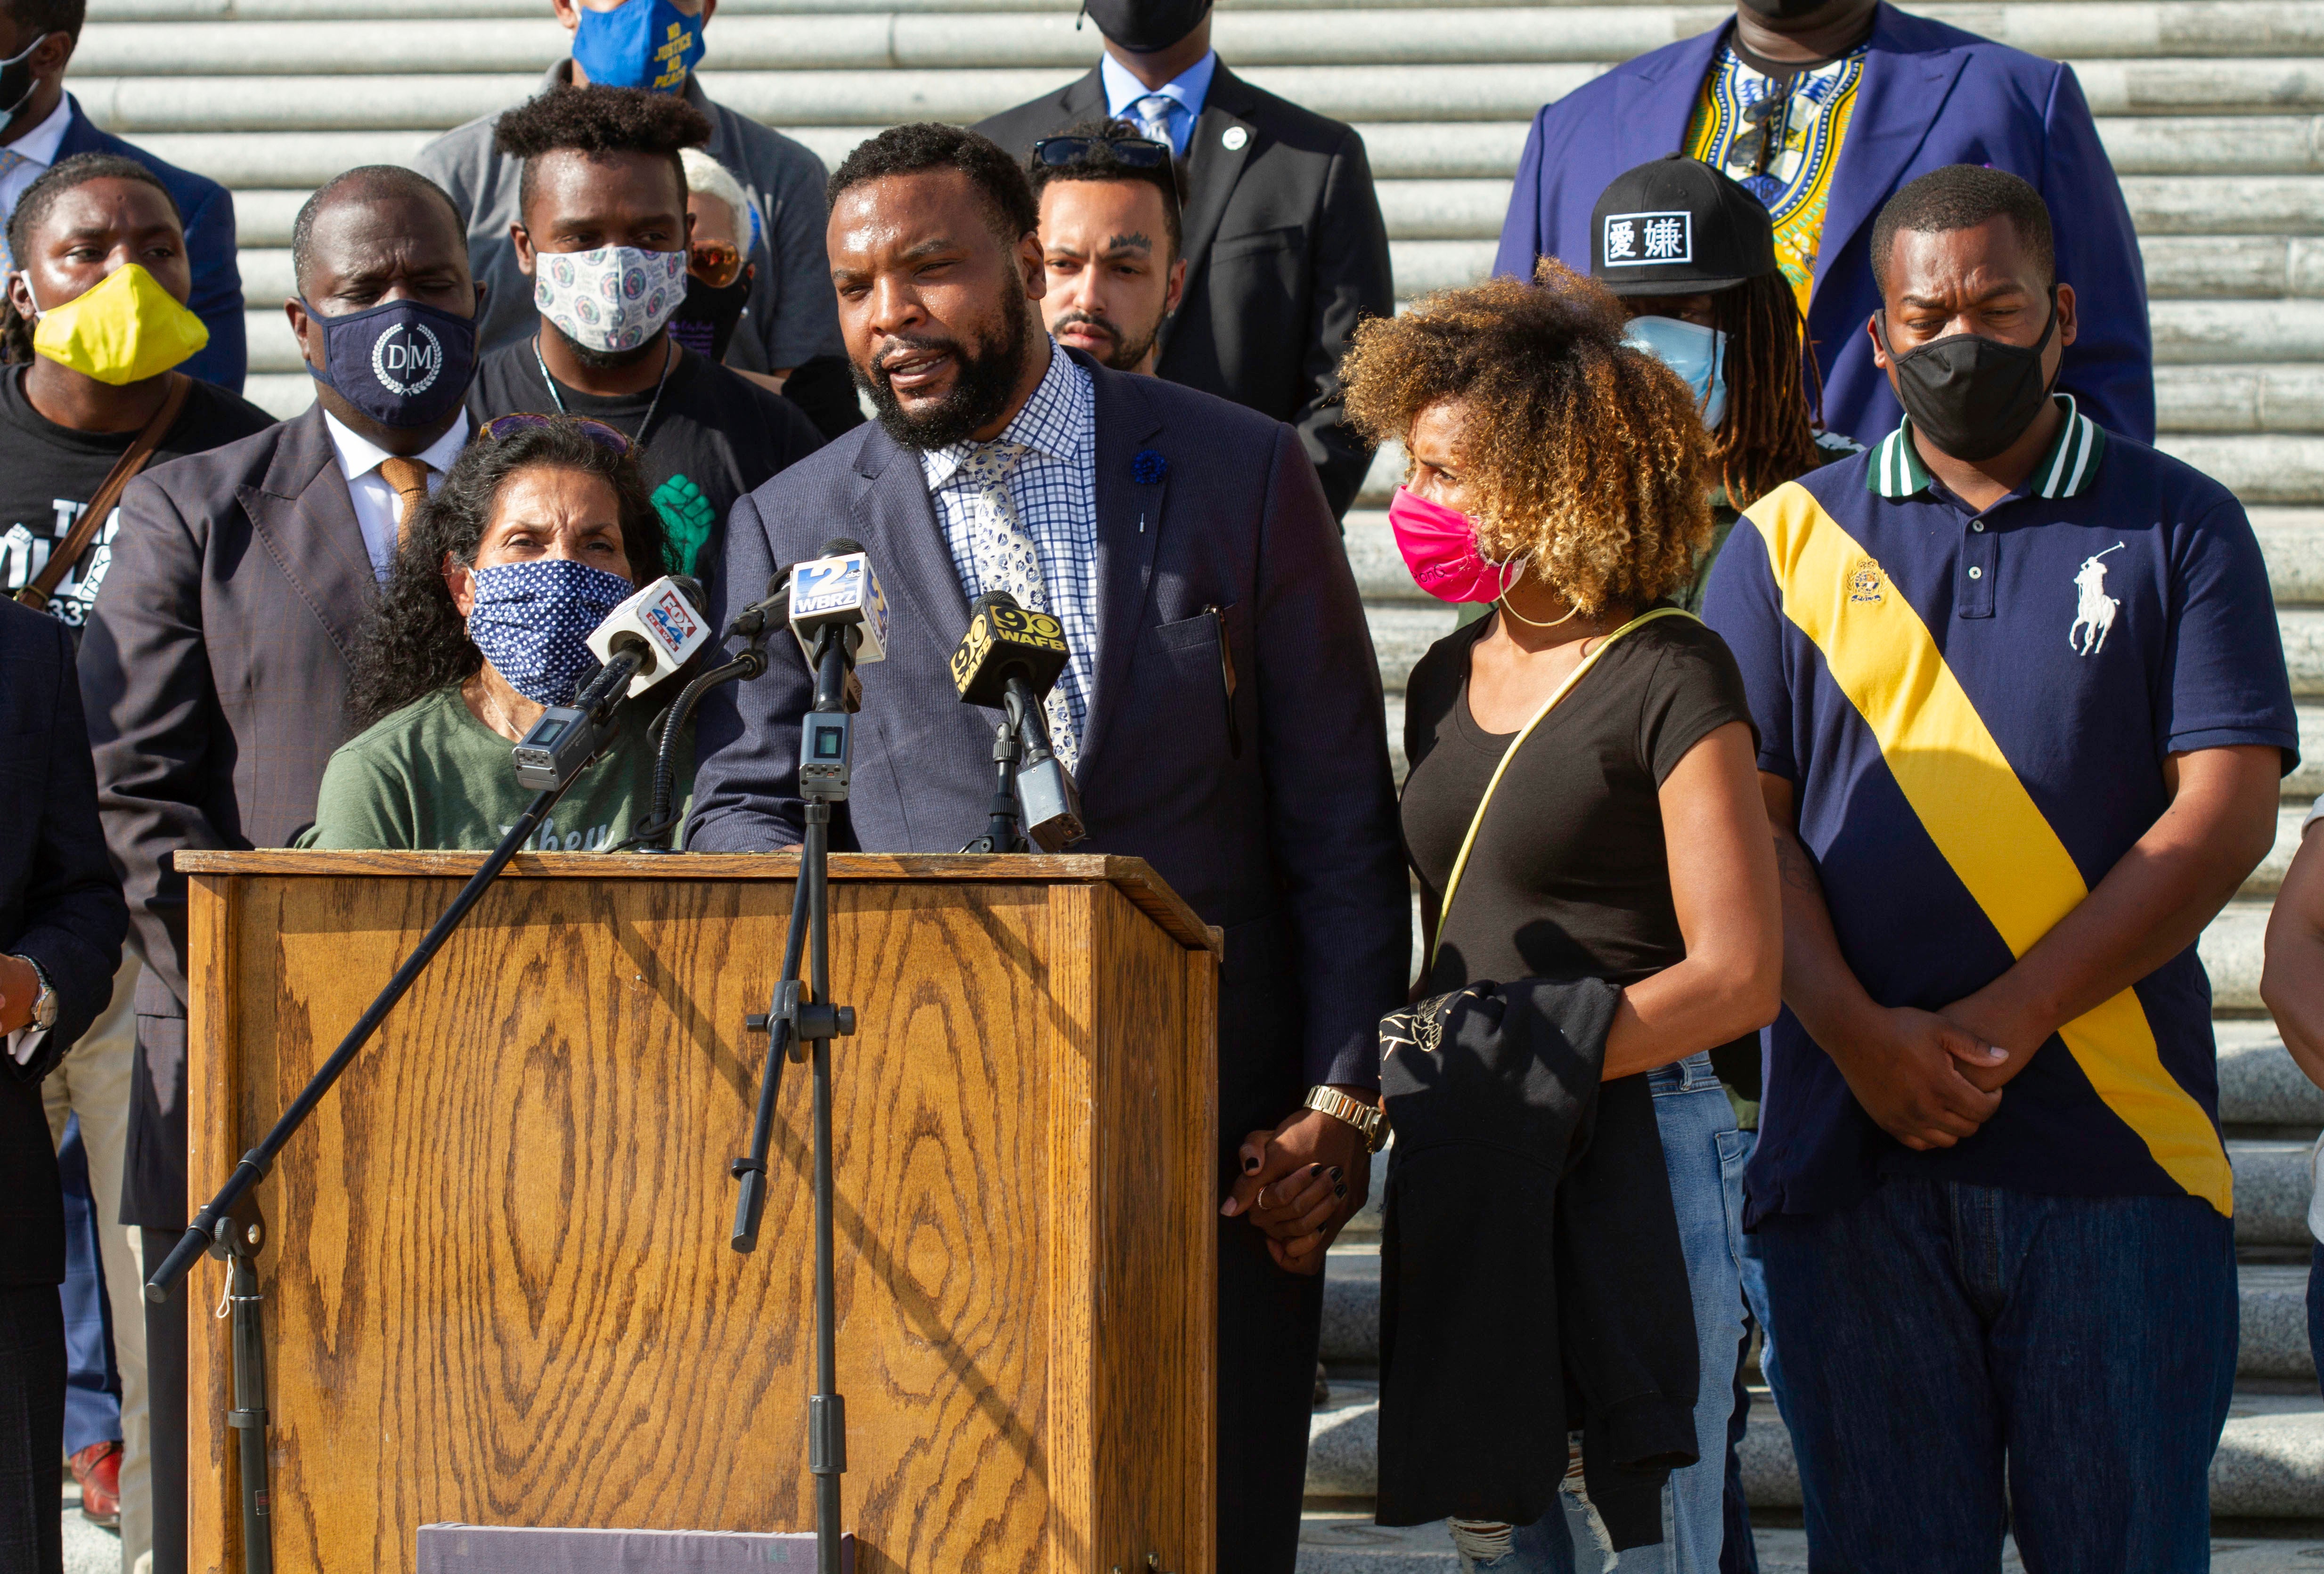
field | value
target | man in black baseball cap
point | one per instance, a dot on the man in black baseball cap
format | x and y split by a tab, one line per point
1692	254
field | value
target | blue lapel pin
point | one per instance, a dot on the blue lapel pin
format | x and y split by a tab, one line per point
1147	468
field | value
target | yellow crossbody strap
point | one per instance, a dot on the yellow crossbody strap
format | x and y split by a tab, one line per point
1517	742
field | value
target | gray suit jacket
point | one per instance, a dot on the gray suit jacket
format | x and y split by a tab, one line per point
1283	830
215	671
1286	252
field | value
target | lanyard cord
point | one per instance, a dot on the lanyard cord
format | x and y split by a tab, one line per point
638	442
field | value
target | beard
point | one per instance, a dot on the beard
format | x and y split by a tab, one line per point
1126	353
983	382
606	360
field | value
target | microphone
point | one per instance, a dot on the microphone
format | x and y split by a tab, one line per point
837	589
663	620
1009	658
839	616
641	641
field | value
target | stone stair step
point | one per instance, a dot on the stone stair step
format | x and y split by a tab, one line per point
2274	1298
2259	1084
2270	1463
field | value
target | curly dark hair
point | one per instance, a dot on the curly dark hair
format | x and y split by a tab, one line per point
598	122
1100	163
1584	456
414	641
33	211
922	145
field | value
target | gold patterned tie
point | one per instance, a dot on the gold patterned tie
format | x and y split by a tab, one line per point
409	479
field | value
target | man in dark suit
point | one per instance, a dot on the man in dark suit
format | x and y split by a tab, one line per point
61	919
217	659
45	126
1222	708
1285	246
1826	113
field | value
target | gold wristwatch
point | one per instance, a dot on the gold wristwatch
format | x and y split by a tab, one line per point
1369	1122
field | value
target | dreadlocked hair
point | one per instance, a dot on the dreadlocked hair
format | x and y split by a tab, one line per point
1767	435
415	641
1581	457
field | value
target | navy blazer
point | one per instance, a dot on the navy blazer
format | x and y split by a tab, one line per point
208	209
1283	831
60	904
1932	95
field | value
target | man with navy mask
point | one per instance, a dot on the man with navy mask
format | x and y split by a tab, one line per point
216	662
791	322
1283	243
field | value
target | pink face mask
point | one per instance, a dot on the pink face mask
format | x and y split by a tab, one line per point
1440	547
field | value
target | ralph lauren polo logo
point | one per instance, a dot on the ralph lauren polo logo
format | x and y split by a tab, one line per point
1866	581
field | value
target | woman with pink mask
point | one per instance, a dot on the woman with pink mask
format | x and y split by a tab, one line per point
1584	805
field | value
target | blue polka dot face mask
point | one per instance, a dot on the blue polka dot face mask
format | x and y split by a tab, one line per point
532	621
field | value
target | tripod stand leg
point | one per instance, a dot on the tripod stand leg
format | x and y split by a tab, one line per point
826	1411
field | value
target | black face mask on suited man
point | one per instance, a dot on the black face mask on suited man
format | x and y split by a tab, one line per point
1146	24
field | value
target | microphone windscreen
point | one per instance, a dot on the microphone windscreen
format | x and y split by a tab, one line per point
839	547
690	588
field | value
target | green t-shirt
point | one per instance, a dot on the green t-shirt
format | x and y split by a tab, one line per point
432	776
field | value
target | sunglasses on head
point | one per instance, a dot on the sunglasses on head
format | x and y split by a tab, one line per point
716	263
596	431
1137	151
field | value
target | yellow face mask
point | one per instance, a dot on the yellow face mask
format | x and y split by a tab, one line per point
124	329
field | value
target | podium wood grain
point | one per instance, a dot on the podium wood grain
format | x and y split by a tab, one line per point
499	1287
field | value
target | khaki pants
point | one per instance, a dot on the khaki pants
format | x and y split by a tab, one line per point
93	1083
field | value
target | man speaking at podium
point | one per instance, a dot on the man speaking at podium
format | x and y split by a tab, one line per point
1221	710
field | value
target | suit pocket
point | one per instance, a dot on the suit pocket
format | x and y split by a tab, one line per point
1281	238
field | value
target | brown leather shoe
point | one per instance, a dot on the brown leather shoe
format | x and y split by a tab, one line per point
98	1469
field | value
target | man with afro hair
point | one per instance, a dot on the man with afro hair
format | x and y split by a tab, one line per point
791	322
601	243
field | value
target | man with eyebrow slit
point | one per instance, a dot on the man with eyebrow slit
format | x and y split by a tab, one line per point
1110	241
2021	712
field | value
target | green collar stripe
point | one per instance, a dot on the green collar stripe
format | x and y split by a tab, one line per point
2067	469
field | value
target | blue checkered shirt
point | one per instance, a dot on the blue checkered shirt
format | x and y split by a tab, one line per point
1054	489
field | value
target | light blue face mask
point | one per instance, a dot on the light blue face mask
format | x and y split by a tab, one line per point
639	44
1697	353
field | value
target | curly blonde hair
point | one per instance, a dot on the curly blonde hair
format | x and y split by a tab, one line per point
1581	457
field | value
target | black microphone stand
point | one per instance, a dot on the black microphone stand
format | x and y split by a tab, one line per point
228	1225
793	1019
1007	810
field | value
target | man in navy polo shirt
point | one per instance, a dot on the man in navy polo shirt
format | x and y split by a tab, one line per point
2022	709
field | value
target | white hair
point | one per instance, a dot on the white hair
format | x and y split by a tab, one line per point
709	177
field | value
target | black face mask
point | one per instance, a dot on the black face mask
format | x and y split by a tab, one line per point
17	83
1146	24
1969	395
704	322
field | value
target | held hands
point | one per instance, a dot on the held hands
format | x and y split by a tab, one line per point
1300	1184
1928	1080
20	990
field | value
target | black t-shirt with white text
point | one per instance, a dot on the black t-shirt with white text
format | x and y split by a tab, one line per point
715	436
48	473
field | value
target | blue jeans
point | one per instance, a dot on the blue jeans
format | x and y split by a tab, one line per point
1703	1154
1939	1338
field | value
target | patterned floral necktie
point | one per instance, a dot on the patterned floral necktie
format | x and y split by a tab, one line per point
1004	557
9	162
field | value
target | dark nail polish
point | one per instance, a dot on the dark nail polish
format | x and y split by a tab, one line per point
1336	1174
1249	1165
1341	1192
1318	1170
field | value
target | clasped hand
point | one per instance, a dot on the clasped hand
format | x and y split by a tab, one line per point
1300	1184
1931	1079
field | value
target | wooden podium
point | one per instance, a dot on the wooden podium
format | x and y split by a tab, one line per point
497	1277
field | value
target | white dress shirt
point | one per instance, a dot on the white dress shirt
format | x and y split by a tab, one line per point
1186	92
378	509
34	151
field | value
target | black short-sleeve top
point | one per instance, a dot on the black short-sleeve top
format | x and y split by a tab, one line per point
1570	876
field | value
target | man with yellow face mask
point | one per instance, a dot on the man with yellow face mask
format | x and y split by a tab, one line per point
96	315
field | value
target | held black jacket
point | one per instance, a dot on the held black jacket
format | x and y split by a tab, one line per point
1532	1280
